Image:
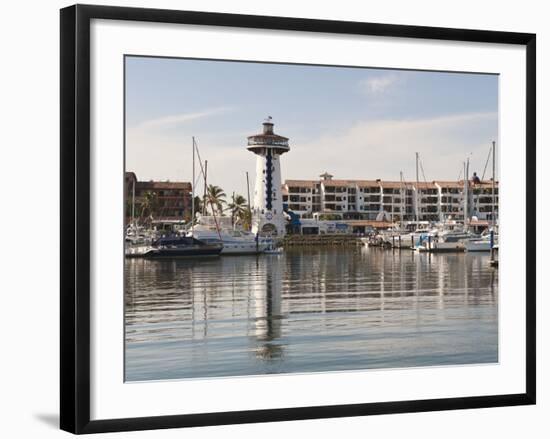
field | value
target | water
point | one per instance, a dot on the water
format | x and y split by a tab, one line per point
308	310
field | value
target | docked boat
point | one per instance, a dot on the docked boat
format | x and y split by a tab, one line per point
478	245
408	236
138	242
235	242
183	246
447	241
482	244
138	250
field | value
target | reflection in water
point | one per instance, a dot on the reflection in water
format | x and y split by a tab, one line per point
308	310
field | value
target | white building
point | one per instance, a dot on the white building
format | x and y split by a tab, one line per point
392	200
268	216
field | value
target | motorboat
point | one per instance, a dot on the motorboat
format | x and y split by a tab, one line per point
446	241
481	244
183	246
138	242
235	242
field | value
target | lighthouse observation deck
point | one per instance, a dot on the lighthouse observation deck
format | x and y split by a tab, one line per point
258	143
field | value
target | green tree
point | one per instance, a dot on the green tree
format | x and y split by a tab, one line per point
215	198
149	205
246	218
238	207
198	204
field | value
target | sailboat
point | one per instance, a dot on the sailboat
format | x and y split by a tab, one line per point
488	240
450	236
220	230
137	240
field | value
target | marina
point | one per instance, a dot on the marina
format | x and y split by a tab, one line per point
431	217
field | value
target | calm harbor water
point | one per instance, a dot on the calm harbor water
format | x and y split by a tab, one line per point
308	310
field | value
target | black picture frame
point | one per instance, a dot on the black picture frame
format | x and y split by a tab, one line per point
75	217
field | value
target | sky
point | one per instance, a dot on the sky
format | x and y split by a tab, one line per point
354	122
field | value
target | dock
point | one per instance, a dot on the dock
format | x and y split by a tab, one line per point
320	240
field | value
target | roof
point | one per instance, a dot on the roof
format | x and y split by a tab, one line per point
394	184
367	223
367	183
267	137
425	185
338	182
301	183
451	184
485	184
183	185
479	223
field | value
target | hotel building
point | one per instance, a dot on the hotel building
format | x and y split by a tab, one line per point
172	199
388	200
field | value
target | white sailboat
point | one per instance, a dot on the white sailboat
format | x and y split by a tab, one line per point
489	239
214	229
483	244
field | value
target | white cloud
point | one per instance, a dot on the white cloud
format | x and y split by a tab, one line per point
383	148
178	119
378	84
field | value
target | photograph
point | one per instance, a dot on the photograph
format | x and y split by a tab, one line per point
295	218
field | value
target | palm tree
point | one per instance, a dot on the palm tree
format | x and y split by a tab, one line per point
215	197
149	205
238	208
198	204
246	218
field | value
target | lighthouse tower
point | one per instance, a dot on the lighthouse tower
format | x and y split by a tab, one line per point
268	216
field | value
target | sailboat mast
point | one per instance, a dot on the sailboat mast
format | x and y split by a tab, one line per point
493	210
402	199
134	203
205	186
193	192
248	189
466	194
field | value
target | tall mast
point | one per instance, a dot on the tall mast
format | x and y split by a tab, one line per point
466	194
193	192
402	199
205	186
416	191
233	210
133	203
493	211
248	200
248	190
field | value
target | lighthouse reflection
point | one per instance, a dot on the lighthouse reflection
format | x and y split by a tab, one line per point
268	317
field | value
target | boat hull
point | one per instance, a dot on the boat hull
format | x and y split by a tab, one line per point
442	247
184	252
138	251
478	246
